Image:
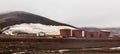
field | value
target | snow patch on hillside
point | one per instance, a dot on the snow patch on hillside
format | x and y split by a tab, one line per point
34	28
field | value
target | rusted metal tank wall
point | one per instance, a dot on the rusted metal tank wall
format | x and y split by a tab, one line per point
65	32
77	33
104	34
91	34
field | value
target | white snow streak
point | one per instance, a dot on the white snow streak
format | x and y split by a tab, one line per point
115	48
35	28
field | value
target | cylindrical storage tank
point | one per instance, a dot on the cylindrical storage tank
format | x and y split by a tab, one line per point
91	34
65	32
76	33
104	34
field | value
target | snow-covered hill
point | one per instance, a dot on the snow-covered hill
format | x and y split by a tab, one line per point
35	28
25	22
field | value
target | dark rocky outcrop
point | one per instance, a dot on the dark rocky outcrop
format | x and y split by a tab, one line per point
18	17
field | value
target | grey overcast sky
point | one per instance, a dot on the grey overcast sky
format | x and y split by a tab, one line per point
80	13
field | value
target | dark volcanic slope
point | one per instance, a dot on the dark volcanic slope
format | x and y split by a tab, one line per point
19	17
